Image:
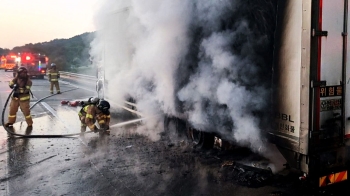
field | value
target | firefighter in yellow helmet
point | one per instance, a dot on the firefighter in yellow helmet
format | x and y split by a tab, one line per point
95	110
21	97
53	78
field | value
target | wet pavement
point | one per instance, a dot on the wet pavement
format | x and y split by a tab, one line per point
124	163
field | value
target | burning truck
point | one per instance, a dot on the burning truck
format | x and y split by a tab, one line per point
249	72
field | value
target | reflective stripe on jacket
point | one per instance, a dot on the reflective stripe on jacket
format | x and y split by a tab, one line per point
23	88
93	114
83	111
53	75
90	116
103	118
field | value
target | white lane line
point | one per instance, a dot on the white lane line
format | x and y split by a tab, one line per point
54	113
3	159
68	83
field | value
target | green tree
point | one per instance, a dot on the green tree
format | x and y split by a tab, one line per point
63	52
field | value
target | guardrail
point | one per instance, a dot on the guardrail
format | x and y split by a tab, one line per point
75	75
129	105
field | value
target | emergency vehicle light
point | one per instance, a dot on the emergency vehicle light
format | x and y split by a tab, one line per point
27	58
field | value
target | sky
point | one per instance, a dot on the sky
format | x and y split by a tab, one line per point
33	21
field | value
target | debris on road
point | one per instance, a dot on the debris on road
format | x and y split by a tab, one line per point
128	146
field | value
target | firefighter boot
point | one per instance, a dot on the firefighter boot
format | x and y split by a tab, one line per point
8	124
103	132
107	132
29	130
96	130
105	129
58	92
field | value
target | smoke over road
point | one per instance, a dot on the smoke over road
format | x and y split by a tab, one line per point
208	60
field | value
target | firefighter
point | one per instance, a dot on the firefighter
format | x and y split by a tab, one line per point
83	111
21	97
95	110
53	78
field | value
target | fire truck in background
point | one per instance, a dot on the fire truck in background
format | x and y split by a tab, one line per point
2	62
36	64
9	62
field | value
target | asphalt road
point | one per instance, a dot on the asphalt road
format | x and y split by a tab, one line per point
124	163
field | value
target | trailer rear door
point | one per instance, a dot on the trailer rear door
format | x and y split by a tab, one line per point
329	97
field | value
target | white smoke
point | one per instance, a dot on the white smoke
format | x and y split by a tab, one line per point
145	47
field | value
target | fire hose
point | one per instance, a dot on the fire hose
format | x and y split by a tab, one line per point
53	136
32	136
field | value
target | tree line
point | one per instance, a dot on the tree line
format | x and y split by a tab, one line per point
67	54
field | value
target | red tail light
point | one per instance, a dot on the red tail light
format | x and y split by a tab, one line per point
42	71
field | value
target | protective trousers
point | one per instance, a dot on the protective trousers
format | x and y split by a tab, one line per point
82	123
24	105
57	86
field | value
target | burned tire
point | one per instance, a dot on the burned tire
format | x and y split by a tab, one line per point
207	140
175	125
201	139
194	135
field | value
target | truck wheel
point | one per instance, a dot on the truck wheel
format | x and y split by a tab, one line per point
194	135
201	139
175	125
206	140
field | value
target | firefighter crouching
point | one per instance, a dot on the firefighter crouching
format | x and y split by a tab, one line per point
95	110
21	97
53	78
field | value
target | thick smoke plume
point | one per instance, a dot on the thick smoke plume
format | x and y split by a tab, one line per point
208	62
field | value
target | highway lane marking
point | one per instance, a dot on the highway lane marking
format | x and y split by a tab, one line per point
3	161
67	125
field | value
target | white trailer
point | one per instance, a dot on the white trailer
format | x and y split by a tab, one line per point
311	81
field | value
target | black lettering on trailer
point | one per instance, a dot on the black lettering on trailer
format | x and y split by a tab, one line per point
285	117
284	127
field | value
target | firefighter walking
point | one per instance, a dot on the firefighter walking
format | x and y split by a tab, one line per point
53	78
95	110
21	97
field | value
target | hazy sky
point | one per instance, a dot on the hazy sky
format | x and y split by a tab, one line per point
33	21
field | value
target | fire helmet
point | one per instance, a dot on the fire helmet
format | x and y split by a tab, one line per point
53	65
93	100
21	69
103	105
